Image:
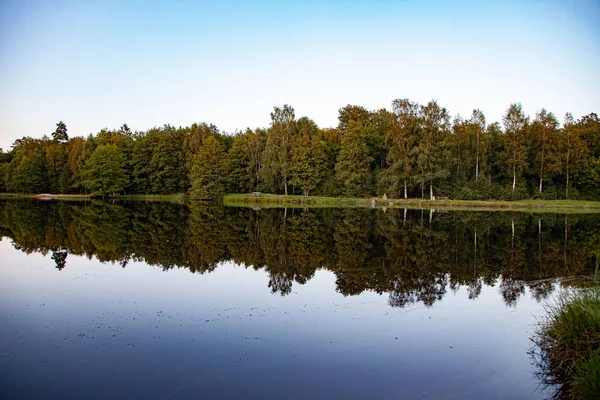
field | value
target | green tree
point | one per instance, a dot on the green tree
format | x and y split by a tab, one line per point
56	164
589	177
208	170
574	151
28	175
478	139
239	174
141	160
401	139
353	162
309	160
545	145
432	149
60	134
278	149
169	172
350	113
105	170
515	146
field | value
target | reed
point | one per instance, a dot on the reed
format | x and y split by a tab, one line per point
568	340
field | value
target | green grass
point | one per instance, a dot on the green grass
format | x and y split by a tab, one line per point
569	344
175	198
271	200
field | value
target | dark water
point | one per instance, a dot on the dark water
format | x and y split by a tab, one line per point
166	301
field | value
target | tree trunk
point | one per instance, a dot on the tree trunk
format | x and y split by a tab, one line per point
285	184
540	244
566	240
405	190
514	177
430	190
477	162
475	251
541	176
512	245
567	188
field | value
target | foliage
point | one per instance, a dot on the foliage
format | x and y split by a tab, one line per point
60	134
352	167
411	149
208	171
410	256
569	344
104	171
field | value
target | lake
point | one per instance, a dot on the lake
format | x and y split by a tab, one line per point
156	300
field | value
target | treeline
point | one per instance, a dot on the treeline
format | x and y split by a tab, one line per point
413	150
409	255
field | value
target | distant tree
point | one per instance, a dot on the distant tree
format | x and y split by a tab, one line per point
141	161
5	159
194	139
401	140
256	146
432	148
105	170
60	134
349	113
352	168
546	144
56	163
309	160
478	135
281	136
208	170
239	174
125	130
515	147
28	175
168	169
60	258
380	124
574	151
589	177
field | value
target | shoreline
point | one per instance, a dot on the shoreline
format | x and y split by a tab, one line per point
274	201
176	197
296	201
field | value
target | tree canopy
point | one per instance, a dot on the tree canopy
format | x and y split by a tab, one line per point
410	151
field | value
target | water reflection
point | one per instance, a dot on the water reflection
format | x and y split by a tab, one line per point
410	255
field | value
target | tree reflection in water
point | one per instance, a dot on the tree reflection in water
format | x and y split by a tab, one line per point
406	254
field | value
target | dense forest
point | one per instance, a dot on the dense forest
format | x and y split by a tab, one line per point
409	255
413	150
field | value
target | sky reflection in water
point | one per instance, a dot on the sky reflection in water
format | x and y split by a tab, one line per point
96	330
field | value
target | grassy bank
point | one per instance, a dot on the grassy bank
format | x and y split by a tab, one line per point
175	198
569	344
271	200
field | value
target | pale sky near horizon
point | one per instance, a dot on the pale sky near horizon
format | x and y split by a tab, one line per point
96	64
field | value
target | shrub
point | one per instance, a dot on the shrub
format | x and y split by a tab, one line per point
569	344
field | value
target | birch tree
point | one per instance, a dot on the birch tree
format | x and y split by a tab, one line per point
515	149
279	144
546	146
401	141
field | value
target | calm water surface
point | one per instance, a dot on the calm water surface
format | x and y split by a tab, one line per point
167	301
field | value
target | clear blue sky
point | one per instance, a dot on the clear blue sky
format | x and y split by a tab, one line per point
96	64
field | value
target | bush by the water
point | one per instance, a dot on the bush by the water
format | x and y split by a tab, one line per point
569	344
